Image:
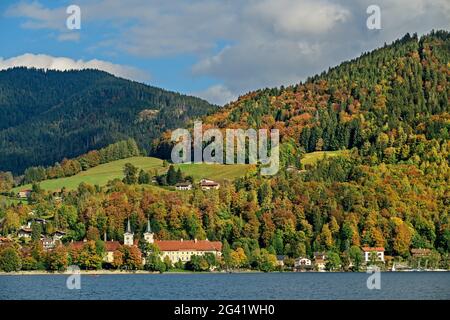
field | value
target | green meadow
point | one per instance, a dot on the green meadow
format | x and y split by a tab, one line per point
101	174
312	157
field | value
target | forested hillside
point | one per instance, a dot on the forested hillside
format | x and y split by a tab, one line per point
391	187
46	116
376	101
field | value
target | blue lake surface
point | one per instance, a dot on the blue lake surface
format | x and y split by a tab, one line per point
394	285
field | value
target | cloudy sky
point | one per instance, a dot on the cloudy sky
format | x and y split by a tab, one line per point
216	49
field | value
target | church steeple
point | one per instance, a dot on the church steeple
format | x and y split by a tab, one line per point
148	235
128	236
128	226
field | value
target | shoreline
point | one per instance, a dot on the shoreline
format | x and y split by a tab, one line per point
143	272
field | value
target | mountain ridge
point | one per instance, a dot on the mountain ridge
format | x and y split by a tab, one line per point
80	110
402	86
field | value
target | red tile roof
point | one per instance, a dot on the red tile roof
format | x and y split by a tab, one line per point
199	245
112	245
373	249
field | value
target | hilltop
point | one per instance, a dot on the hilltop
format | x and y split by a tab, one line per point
366	103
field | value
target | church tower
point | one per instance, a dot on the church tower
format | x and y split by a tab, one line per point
128	236
148	235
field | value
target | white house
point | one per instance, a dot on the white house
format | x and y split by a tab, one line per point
48	243
320	260
25	232
206	184
302	262
369	251
183	186
24	193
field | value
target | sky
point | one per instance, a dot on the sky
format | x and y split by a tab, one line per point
215	49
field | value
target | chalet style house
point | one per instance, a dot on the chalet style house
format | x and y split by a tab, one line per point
24	194
206	184
320	260
24	232
302	262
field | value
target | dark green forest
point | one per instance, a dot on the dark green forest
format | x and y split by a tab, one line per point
46	116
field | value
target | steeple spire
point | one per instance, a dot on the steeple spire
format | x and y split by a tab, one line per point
128	226
149	228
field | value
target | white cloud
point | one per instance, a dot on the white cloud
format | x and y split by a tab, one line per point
42	61
217	94
294	16
39	16
245	45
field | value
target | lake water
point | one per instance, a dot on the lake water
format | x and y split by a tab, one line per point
394	285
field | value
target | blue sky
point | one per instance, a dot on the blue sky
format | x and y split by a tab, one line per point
211	48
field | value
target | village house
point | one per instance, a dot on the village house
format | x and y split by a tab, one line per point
24	193
183	186
206	184
48	243
370	251
320	261
302	262
24	232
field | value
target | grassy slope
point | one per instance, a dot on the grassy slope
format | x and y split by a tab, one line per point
313	157
99	175
9	201
217	172
102	174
